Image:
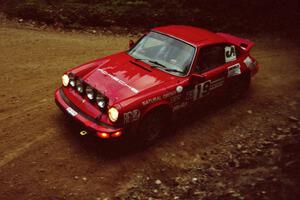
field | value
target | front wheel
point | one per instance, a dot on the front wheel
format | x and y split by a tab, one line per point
151	127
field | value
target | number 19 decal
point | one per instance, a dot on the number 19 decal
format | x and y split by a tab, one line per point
201	90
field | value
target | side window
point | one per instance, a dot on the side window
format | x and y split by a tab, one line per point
211	57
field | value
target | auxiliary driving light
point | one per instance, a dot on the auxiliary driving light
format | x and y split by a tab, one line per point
79	86
101	102
72	80
89	92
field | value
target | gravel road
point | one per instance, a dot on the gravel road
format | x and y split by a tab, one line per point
224	151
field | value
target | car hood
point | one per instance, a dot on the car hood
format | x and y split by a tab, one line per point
120	77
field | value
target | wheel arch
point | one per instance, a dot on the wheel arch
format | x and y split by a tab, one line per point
161	106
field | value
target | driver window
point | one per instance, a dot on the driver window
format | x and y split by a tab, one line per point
210	57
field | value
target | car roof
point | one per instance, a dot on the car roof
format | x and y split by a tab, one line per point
193	35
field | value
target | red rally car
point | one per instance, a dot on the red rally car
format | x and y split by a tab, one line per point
166	70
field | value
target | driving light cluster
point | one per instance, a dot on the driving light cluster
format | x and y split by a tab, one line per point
84	89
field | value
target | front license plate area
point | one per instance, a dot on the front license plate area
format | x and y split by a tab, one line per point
71	111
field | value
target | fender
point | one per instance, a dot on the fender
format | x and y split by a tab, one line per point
164	103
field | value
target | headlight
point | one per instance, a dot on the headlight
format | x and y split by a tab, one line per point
79	86
113	114
101	101
65	80
89	92
72	80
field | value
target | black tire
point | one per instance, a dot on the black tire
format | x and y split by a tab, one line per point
238	87
151	127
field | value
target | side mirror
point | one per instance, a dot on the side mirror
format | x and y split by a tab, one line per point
197	78
130	44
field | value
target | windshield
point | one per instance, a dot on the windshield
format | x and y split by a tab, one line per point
164	52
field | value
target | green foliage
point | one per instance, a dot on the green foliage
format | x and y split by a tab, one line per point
242	15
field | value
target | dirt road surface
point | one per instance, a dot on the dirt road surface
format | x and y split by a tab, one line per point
42	155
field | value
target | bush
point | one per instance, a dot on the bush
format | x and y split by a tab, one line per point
240	16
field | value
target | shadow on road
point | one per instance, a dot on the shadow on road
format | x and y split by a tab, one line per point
128	146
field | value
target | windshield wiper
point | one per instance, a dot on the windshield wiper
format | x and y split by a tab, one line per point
165	68
151	61
174	70
156	64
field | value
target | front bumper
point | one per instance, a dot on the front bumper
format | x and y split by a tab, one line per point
94	126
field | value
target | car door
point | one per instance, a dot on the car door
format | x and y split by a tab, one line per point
233	65
212	69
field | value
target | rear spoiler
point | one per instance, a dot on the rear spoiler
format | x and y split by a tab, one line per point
243	43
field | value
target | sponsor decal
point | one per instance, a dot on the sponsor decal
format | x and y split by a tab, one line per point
204	88
234	70
118	80
201	90
189	95
230	54
152	100
71	111
169	94
159	98
132	116
249	63
217	83
176	98
180	106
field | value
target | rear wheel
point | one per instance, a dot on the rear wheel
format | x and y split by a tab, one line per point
238	87
152	126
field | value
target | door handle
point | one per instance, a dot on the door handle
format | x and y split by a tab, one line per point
203	76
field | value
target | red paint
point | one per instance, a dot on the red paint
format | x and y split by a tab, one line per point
127	82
